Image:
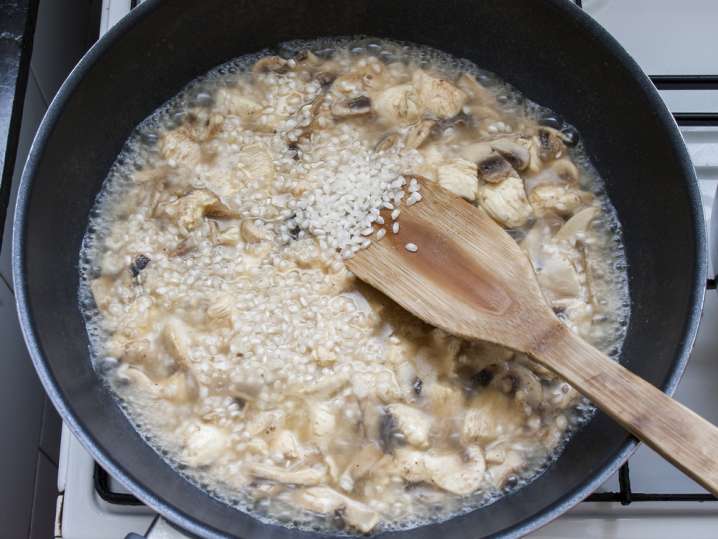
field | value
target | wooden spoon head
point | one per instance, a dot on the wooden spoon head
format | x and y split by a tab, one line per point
468	276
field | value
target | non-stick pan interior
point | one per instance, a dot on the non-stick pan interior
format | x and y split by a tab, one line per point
549	50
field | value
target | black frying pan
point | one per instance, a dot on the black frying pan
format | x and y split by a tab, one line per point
548	49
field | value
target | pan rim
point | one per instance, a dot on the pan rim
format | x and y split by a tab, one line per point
188	522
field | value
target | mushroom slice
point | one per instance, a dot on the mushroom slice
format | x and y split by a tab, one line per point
386	142
324	500
181	387
285	443
438	96
550	144
459	177
578	224
398	105
355	106
560	199
176	340
204	445
412	423
250	232
323	421
418	133
270	64
178	148
514	152
506	202
492	166
313	475
360	465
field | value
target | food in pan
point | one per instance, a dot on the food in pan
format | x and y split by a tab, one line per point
223	317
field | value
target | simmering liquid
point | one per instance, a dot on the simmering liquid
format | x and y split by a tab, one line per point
222	316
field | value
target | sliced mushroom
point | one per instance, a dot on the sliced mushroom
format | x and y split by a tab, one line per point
398	105
492	166
438	96
550	144
412	423
418	133
514	152
355	106
459	177
323	421
270	64
560	199
578	224
313	475
250	232
387	142
204	445
506	202
326	501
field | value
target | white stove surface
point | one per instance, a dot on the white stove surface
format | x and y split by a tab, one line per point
665	37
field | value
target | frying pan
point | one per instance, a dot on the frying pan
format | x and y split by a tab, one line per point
550	50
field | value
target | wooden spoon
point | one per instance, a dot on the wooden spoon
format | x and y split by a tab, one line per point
470	278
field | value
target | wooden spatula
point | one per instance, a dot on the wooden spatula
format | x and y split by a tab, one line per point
470	278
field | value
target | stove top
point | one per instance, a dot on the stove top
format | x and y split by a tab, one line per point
648	497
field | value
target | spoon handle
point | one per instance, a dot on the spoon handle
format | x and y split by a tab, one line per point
680	435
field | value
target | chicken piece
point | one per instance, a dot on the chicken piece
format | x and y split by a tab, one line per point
412	423
250	232
418	133
177	341
256	164
398	105
323	421
360	465
438	96
180	388
177	148
557	277
499	473
235	103
506	202
285	443
326	501
451	472
459	177
491	415
525	384
560	172
204	445
188	211
314	475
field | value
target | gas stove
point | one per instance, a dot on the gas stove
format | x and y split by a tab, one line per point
676	43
